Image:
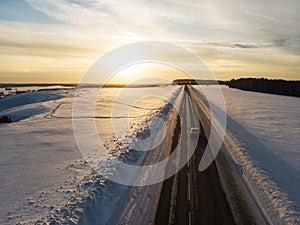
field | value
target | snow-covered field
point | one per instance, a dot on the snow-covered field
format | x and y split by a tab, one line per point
11	90
266	130
43	177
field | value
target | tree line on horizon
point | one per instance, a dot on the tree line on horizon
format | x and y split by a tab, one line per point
264	85
279	87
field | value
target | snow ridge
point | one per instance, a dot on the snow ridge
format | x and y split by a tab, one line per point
280	209
277	204
93	190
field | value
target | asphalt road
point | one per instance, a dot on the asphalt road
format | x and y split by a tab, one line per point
190	196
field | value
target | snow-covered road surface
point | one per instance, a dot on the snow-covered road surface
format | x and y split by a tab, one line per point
265	129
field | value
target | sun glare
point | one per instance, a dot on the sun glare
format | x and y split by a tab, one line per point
146	73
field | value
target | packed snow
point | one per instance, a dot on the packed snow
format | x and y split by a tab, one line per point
44	178
266	131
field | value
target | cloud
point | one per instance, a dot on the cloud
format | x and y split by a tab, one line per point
240	45
50	40
250	32
208	20
258	15
69	11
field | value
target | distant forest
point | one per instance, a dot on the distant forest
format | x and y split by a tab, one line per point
280	87
198	82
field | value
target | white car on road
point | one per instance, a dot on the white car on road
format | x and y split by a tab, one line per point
194	130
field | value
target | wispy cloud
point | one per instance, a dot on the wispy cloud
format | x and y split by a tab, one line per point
208	20
240	45
225	33
48	41
258	15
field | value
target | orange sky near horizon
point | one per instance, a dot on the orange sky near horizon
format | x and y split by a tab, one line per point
57	41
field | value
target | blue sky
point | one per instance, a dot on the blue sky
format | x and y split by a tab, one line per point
57	40
19	10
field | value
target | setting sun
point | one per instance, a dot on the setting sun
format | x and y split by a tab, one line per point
146	73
